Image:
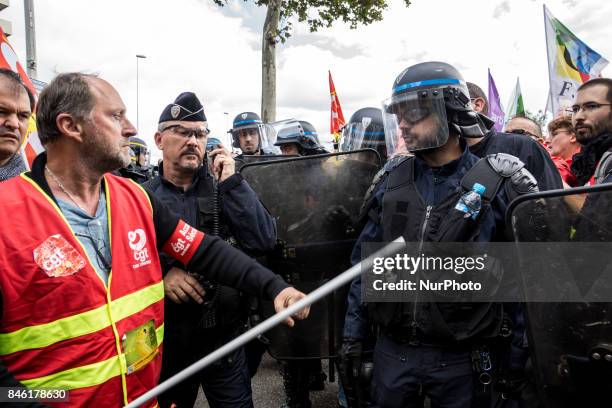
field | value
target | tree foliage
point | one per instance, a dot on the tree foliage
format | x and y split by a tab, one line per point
323	13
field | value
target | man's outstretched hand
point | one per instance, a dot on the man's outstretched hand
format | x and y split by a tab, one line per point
286	298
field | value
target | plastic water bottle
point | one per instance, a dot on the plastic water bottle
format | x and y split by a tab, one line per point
470	202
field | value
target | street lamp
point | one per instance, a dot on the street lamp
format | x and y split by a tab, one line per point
138	57
226	127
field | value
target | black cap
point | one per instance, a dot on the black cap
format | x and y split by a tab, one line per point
186	107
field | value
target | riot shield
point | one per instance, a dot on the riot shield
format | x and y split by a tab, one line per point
568	292
315	201
246	159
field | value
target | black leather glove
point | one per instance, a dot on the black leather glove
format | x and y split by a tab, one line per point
351	353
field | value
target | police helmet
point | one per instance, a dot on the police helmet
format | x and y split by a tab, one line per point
300	132
428	100
365	130
138	147
245	120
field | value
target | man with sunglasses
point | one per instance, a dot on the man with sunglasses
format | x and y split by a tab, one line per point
523	125
427	348
206	191
592	121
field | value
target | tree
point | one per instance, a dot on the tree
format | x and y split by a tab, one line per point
317	14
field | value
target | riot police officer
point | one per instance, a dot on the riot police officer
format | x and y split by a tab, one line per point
420	352
201	316
365	130
249	135
139	169
300	140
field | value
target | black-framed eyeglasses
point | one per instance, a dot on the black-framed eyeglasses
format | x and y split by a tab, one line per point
182	131
587	107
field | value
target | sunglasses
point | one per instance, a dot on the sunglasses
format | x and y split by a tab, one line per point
413	115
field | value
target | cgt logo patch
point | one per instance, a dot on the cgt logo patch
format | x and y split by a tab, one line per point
137	240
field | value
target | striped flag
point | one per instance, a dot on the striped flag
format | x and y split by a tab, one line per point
570	63
336	118
8	59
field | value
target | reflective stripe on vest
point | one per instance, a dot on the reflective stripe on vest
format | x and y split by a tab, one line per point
87	375
43	335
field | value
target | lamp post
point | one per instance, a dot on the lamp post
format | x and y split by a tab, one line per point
138	57
227	131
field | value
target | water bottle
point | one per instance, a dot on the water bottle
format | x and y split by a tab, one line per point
470	202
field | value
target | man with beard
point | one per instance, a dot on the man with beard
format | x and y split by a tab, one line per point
533	154
248	134
16	105
592	120
81	284
427	349
201	316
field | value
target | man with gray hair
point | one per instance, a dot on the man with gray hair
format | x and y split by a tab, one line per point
16	105
81	286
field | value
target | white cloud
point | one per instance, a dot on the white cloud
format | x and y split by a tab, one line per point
215	51
501	9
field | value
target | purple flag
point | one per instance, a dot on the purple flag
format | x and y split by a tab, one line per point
496	112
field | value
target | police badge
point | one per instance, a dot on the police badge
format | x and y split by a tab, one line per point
175	110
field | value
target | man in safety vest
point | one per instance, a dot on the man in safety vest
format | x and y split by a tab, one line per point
81	286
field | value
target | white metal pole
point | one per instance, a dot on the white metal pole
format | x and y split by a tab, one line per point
267	324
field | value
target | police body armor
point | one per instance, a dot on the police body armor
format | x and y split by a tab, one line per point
405	213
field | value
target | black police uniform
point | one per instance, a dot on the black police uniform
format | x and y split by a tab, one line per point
426	348
192	332
233	211
531	153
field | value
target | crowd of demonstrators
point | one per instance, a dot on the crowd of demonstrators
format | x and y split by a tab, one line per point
90	260
16	106
81	283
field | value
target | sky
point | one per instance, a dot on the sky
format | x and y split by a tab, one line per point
194	45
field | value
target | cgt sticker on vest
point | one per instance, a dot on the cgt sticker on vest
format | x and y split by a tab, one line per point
138	241
56	257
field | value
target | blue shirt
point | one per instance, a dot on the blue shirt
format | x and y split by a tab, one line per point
92	233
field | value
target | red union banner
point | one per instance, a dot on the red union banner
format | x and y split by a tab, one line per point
337	118
8	59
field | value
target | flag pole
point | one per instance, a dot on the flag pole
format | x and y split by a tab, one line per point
550	88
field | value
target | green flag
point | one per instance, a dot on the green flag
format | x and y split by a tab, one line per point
515	106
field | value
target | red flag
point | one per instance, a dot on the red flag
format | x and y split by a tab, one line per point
8	59
337	118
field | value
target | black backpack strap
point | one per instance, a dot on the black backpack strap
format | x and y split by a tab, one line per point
491	171
366	208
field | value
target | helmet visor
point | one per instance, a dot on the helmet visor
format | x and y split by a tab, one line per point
284	131
250	138
415	121
362	135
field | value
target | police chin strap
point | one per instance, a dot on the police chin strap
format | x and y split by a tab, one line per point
316	295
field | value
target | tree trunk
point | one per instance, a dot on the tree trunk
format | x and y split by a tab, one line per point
268	62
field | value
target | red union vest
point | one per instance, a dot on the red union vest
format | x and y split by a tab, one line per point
62	327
